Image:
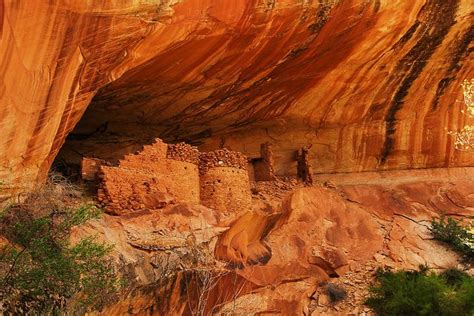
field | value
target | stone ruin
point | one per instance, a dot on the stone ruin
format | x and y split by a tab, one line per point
263	166
224	181
304	168
163	174
150	180
90	168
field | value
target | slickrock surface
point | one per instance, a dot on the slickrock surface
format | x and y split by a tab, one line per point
372	84
339	235
281	256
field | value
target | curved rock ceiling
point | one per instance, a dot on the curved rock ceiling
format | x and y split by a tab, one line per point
368	84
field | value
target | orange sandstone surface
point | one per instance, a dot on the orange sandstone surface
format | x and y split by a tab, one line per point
355	95
281	253
180	218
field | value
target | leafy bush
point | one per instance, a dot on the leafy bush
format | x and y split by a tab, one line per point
41	272
455	235
422	293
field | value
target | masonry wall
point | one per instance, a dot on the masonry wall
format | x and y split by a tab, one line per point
226	189
263	169
148	180
90	168
225	184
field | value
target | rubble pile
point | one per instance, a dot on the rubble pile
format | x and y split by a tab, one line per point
183	152
274	190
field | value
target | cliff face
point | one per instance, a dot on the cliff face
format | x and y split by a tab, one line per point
369	84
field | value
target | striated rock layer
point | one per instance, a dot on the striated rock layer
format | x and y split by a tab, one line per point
369	84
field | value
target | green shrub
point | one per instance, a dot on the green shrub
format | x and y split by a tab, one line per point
422	293
41	272
455	235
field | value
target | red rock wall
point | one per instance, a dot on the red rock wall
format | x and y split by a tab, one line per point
371	84
54	57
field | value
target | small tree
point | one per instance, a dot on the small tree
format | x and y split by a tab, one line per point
42	272
455	235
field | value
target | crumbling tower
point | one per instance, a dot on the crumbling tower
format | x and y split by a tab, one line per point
304	168
263	166
224	180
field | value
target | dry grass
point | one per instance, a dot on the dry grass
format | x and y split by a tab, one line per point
52	198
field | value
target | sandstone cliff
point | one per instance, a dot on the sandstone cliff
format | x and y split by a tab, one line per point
370	84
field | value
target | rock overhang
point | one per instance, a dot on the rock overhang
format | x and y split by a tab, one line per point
337	75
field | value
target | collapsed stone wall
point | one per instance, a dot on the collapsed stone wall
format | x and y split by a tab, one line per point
224	181
304	168
148	180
